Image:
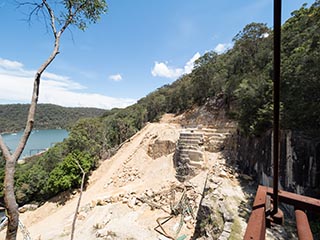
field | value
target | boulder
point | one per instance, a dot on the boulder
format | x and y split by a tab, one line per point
28	207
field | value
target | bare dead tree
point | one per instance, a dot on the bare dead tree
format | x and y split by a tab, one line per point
78	13
79	200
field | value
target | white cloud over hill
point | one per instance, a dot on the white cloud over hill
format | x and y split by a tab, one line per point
16	85
162	69
222	47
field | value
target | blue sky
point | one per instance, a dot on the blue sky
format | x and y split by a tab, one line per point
137	47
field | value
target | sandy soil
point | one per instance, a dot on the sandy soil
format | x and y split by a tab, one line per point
53	221
110	208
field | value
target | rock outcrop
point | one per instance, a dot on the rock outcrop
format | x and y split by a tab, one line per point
161	148
299	160
189	157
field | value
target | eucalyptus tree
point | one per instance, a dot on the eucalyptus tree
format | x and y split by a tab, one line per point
59	15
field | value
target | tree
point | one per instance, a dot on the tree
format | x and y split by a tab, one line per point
79	13
300	76
203	74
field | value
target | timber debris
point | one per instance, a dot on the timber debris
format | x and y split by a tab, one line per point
178	202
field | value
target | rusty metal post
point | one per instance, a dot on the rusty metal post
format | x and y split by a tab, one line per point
276	101
303	228
298	201
256	228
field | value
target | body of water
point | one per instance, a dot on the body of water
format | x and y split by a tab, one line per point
39	140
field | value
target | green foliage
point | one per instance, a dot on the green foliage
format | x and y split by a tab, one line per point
243	75
52	157
254	99
301	58
29	182
123	124
87	135
205	76
179	95
87	12
67	174
48	116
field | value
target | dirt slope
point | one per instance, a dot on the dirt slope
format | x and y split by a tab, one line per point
130	171
129	192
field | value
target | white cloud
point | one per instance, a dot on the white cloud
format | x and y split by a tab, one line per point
116	77
161	69
222	47
265	35
8	64
16	87
61	81
190	64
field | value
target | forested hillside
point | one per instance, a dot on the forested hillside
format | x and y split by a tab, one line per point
241	78
48	116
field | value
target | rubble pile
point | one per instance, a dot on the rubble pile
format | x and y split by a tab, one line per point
124	175
164	199
223	212
179	203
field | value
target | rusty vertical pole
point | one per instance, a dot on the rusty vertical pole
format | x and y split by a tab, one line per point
276	100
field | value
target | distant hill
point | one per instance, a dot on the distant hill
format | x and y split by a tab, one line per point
13	116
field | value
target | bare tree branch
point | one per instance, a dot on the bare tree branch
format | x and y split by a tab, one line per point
36	7
52	18
78	203
4	149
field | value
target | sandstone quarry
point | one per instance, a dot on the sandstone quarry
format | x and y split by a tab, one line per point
167	182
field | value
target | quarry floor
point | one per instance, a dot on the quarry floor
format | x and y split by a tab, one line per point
129	192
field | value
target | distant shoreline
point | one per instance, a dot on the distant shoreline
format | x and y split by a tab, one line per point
34	129
39	141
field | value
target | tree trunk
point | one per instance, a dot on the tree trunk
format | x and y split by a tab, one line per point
78	203
11	159
10	200
74	9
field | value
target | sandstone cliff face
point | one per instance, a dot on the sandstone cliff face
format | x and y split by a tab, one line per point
299	160
189	155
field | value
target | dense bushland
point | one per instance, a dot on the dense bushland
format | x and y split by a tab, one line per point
48	116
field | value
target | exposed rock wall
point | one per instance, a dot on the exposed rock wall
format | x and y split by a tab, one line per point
189	154
299	160
161	148
189	157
